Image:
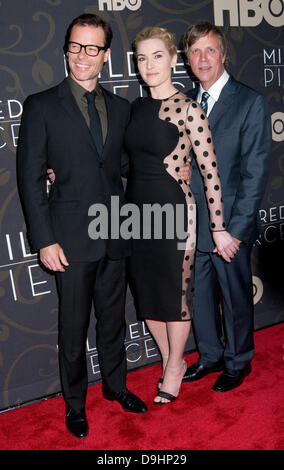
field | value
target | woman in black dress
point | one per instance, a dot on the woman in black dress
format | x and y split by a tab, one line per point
163	129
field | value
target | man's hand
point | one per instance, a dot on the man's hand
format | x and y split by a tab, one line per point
184	172
53	258
226	245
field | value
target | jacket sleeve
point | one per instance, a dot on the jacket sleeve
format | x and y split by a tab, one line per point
255	153
31	175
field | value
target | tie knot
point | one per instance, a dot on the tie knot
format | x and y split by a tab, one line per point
90	95
205	96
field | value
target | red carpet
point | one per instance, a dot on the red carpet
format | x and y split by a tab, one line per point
249	417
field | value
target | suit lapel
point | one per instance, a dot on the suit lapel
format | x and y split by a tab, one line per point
224	102
68	102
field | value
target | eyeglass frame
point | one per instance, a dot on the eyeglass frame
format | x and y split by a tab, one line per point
100	48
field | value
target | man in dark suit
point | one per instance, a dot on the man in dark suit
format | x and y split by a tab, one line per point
62	129
240	124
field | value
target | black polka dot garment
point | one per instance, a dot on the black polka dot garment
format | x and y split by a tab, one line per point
159	138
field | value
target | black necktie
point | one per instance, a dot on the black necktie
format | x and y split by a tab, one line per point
95	123
203	103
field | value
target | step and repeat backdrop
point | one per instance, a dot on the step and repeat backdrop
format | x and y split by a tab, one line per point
31	38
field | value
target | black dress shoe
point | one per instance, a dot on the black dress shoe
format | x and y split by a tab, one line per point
231	379
128	400
76	423
198	371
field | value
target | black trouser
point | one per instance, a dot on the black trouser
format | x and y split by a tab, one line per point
103	284
216	279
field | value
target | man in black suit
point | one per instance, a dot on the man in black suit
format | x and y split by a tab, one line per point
240	124
62	129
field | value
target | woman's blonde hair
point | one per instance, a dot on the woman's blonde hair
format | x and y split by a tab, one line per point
151	32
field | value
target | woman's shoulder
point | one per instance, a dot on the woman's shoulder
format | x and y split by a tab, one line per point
181	100
192	105
183	104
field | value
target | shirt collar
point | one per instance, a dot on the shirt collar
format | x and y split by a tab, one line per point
215	90
79	91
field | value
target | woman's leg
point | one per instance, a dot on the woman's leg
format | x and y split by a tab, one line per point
158	330
177	333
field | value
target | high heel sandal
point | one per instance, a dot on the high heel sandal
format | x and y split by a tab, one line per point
166	395
160	381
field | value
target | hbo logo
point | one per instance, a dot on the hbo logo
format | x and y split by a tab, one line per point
249	12
118	5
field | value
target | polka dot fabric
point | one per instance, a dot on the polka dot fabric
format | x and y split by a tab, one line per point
194	132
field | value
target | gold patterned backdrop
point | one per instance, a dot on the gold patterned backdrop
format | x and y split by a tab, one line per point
31	39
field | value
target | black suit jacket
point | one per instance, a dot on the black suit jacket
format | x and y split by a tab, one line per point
241	130
54	134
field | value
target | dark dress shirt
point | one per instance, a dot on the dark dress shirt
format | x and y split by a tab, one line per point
78	93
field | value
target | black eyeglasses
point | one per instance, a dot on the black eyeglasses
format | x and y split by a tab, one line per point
90	49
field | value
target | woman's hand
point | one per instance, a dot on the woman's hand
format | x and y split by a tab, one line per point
51	175
185	171
226	245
